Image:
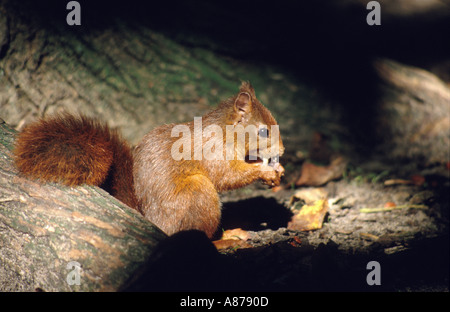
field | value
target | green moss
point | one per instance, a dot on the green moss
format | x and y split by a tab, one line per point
7	135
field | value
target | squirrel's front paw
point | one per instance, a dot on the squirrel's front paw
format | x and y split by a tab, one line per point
271	175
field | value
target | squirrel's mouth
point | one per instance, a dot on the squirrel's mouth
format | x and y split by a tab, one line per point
267	161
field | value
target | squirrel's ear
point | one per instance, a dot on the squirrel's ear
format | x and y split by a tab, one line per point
247	87
243	103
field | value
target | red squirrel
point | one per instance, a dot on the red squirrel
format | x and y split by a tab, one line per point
173	193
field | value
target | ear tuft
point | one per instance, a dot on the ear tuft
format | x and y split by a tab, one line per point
247	87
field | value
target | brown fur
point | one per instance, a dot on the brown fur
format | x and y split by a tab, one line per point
174	195
76	150
180	195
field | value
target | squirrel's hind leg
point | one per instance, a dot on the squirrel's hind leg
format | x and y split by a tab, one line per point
194	205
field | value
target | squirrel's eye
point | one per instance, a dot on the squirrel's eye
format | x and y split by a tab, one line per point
263	132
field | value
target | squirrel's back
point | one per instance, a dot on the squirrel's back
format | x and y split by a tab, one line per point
76	150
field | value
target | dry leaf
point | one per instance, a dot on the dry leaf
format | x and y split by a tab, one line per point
233	239
236	234
308	195
314	175
310	217
223	244
396	182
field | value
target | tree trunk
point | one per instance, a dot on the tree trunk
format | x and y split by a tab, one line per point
413	119
50	233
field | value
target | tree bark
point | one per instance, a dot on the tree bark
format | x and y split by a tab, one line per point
413	113
48	230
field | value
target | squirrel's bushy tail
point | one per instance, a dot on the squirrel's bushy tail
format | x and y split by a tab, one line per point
75	150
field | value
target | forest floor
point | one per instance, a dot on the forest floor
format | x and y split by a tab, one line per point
409	239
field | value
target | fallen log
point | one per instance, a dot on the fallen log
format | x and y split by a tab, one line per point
57	238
